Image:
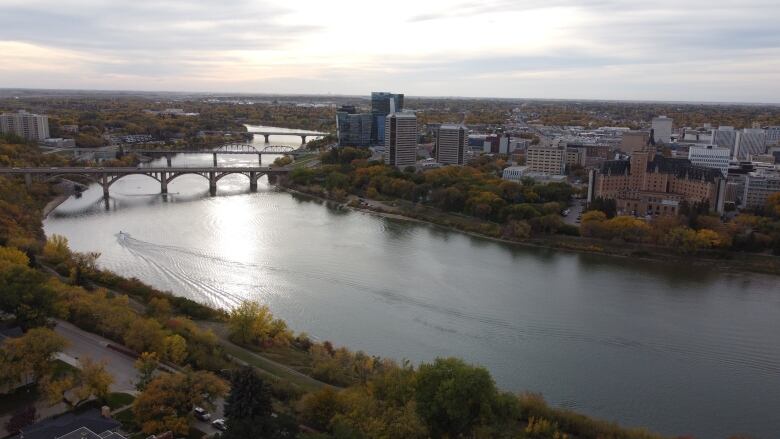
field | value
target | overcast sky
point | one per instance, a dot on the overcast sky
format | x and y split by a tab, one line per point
701	50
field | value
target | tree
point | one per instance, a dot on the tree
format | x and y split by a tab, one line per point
145	335
454	397
252	323
168	399
24	293
146	364
56	250
175	348
21	418
248	409
94	380
773	205
31	354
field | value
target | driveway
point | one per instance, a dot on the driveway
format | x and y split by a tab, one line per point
84	344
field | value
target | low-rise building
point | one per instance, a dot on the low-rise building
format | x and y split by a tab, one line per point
518	173
758	186
710	156
651	184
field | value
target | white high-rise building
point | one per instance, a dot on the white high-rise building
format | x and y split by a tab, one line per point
710	157
401	139
24	124
662	129
725	137
750	142
773	136
451	141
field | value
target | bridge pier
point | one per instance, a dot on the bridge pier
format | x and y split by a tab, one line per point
260	159
164	183
168	160
104	183
28	180
253	181
303	140
267	137
212	183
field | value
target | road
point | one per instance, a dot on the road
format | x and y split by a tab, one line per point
575	210
84	344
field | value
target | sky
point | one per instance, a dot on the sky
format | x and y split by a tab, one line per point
682	50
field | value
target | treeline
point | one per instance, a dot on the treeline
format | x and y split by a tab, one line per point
692	230
476	190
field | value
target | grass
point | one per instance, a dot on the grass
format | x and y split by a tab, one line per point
127	419
272	370
118	400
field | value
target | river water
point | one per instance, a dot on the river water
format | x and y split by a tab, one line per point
676	349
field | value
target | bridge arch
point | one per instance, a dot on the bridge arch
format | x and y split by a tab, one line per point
174	175
89	177
113	178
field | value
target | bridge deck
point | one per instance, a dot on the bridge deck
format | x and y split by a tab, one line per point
104	170
196	151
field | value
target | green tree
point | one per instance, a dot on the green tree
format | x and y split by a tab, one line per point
249	411
453	397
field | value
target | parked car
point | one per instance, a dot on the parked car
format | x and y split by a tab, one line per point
219	424
201	414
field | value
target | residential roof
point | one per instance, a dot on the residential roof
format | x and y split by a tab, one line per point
71	426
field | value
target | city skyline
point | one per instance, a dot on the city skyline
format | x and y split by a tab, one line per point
598	49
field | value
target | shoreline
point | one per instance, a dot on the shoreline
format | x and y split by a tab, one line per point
577	245
53	204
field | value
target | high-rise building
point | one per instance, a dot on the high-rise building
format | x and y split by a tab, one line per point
662	129
546	159
759	185
773	136
401	139
352	128
24	124
725	137
383	104
750	142
451	143
710	156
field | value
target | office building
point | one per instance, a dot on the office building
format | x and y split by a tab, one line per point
451	142
662	129
750	142
546	159
575	156
23	124
651	184
401	140
710	156
383	104
518	173
352	128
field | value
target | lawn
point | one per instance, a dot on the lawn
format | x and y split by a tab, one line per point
118	400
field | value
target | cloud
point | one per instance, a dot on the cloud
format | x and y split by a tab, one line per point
683	49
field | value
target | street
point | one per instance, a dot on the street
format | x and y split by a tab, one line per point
84	344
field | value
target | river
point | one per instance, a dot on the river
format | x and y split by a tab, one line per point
672	348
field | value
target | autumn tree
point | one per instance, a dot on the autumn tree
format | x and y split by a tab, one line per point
252	323
146	364
249	411
166	402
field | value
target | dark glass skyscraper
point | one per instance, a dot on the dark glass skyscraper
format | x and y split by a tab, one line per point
382	104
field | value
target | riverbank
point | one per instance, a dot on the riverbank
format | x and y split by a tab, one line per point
710	259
